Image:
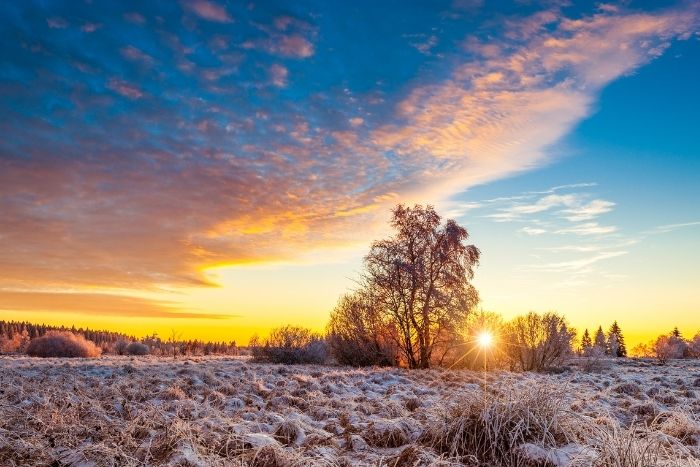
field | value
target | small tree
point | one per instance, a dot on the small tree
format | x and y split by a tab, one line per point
539	341
586	342
616	341
174	343
600	340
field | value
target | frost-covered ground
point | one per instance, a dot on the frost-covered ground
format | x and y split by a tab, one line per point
225	411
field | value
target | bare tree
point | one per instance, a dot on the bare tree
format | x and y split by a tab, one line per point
539	341
420	279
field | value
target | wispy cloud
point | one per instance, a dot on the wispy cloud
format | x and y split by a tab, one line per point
581	265
588	211
588	228
671	227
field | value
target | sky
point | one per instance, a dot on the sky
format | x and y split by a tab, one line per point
221	168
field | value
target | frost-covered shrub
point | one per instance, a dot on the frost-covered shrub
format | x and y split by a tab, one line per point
137	348
535	342
62	344
290	345
357	335
694	346
669	347
593	359
14	344
120	347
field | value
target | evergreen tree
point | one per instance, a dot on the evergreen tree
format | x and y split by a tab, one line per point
600	340
616	341
676	333
586	342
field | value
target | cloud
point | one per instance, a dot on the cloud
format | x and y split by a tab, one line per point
588	211
293	46
533	231
671	227
134	54
497	113
124	88
278	75
57	23
581	265
95	304
208	10
90	27
223	171
589	228
573	207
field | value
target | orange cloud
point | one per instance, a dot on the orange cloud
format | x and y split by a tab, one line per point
95	304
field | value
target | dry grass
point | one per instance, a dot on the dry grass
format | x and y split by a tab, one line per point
223	411
491	428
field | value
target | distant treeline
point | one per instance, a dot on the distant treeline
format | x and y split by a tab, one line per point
16	335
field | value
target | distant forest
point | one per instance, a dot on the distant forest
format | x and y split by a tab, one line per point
15	335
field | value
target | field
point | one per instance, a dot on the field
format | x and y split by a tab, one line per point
227	411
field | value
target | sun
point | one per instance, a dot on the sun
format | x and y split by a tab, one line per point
485	339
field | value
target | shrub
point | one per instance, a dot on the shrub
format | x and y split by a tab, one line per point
120	347
535	342
668	347
290	345
62	344
593	359
137	348
14	344
694	346
356	334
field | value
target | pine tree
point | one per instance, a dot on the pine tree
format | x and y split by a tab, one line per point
676	333
616	341
586	342
600	340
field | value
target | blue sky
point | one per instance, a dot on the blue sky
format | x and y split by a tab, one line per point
158	155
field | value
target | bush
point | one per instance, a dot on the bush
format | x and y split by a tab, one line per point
356	334
536	342
120	347
593	359
62	344
668	347
290	345
137	348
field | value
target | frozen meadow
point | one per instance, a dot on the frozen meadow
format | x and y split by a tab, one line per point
229	411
